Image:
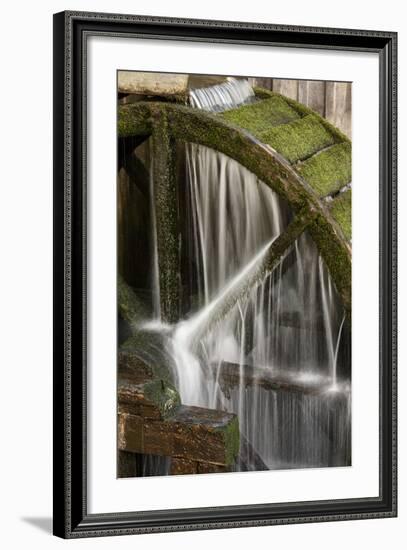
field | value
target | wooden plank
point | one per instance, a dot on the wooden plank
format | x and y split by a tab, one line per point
127	464
338	108
231	375
152	399
329	170
191	433
183	466
312	94
162	84
207	468
341	210
288	88
300	139
133	221
166	218
260	116
262	82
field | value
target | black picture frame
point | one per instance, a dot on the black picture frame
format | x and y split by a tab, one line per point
71	518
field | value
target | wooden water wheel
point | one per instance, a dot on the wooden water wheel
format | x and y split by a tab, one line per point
293	150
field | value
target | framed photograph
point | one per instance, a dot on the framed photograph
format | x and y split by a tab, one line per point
224	274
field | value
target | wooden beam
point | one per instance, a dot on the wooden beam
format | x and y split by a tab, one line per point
190	433
231	375
166	218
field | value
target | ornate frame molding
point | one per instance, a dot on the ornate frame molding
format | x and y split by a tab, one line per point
71	30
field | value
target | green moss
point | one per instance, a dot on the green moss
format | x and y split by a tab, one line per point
162	395
304	111
260	116
192	125
151	348
298	140
133	120
263	93
166	211
341	210
336	254
328	170
231	434
131	308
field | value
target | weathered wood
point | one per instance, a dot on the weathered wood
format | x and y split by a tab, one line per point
183	466
144	356
133	221
161	84
338	108
204	81
331	99
127	464
312	94
150	399
329	170
191	433
341	209
207	468
288	88
231	375
264	82
166	218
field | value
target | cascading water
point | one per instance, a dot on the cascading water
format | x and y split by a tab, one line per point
223	96
287	324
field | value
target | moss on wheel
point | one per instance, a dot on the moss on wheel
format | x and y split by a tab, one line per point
341	211
328	170
296	141
131	308
134	122
299	139
258	117
232	441
162	395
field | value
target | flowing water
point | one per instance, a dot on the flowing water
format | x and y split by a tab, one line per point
287	324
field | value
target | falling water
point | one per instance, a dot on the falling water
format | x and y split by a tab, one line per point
154	252
223	96
287	323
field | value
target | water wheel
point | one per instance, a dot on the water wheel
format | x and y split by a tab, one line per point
292	149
